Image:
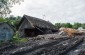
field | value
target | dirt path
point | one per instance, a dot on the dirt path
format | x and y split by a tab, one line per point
30	46
57	49
79	50
46	45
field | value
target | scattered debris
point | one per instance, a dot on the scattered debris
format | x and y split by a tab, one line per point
70	32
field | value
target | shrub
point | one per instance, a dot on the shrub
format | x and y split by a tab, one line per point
16	38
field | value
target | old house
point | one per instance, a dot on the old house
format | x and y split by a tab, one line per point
31	26
6	31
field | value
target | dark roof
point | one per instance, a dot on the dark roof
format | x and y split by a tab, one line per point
3	23
36	22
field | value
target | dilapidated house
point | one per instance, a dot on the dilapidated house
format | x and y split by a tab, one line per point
6	31
31	26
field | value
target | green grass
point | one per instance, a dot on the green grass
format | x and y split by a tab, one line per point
17	39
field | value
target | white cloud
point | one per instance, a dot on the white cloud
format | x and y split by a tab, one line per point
55	10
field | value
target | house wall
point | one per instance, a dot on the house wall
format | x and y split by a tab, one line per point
6	32
24	25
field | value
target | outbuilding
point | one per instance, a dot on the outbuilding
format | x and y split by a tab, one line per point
6	31
31	26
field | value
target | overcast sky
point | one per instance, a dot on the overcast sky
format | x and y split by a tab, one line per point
52	10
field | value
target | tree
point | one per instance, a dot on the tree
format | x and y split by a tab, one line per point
63	24
68	25
58	25
76	25
2	20
5	6
14	21
83	25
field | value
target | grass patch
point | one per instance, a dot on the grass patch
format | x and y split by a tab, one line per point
17	39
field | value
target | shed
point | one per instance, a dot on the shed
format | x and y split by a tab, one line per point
31	26
6	31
